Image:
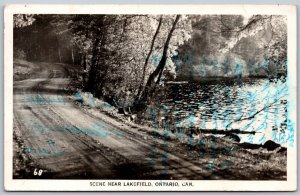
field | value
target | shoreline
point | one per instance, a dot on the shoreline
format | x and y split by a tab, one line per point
222	152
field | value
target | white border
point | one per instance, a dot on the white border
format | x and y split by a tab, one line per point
199	185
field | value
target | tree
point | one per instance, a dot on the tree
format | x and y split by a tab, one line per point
122	49
231	38
44	38
22	20
156	75
141	87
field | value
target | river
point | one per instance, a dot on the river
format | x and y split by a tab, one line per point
258	105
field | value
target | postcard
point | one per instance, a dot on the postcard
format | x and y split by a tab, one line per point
150	97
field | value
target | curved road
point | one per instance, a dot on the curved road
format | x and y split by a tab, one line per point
61	140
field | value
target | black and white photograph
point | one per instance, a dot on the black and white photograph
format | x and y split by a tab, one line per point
124	98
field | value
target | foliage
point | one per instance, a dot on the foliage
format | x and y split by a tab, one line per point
248	40
124	57
22	20
124	46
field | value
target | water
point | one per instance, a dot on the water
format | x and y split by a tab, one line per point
250	105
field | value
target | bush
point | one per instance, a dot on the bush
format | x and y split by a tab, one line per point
19	54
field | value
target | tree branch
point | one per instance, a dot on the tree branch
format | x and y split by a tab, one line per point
253	115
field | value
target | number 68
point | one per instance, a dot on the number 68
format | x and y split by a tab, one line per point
38	172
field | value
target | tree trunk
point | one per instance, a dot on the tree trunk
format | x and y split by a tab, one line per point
141	87
90	86
84	69
100	38
59	55
150	86
72	53
94	73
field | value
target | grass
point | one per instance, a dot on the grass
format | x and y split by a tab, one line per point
23	69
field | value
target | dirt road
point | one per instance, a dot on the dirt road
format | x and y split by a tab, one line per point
54	138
